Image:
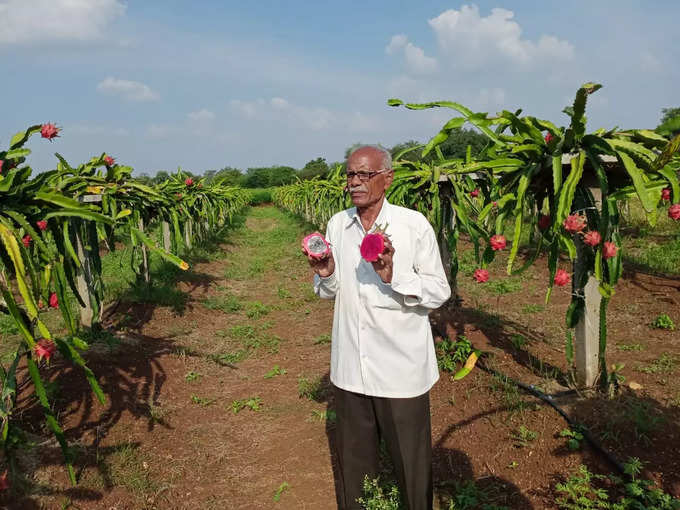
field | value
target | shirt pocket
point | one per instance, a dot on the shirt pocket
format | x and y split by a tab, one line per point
381	295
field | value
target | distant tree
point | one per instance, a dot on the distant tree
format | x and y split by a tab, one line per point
230	176
455	147
670	122
413	155
144	178
161	176
265	177
669	113
314	168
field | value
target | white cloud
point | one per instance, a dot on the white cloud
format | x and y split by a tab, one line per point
202	115
279	102
471	40
416	60
130	90
41	21
491	98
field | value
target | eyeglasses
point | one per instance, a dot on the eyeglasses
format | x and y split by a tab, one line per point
364	176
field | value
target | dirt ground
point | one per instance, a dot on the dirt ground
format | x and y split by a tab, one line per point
170	436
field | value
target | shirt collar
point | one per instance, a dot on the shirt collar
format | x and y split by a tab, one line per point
383	216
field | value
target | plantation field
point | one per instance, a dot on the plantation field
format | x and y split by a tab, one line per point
217	380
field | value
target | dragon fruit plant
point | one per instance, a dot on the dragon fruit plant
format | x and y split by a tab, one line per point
316	246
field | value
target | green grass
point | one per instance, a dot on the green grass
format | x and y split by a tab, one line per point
252	403
227	303
325	338
311	388
665	364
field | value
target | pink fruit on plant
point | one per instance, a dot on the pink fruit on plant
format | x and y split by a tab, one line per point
54	300
674	212
543	221
1	163
44	348
109	161
574	223
474	193
49	131
549	138
666	194
316	246
562	278
497	242
4	482
26	240
592	238
188	181
42	225
609	250
481	275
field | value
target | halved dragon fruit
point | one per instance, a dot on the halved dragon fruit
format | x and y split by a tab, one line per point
373	244
316	245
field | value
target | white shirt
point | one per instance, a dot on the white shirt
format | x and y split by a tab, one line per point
382	342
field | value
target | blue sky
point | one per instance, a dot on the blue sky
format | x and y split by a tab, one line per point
206	84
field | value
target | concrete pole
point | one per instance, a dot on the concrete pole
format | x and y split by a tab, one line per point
166	235
84	278
188	233
145	256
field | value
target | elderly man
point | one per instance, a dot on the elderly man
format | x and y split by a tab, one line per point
383	362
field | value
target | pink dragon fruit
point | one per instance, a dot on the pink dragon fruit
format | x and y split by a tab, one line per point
481	275
592	238
574	223
49	131
109	160
562	278
373	244
674	212
666	194
26	240
549	138
497	242
188	181
609	250
474	193
543	221
316	246
42	225
54	300
44	348
1	163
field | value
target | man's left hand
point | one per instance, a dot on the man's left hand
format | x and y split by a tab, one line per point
383	266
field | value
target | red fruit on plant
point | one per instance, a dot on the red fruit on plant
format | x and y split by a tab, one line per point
497	242
109	161
189	181
4	482
178	195
26	240
372	246
562	278
609	250
316	246
592	238
54	300
549	138
481	275
666	194
543	221
1	163
474	193
49	131
42	225
574	223
45	348
674	212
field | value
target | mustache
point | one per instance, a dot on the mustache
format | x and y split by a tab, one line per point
352	189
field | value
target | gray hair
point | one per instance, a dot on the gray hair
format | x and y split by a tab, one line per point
386	160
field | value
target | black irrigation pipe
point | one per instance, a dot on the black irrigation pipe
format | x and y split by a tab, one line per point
549	399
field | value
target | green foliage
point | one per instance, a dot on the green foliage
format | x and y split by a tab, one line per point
324	338
260	196
663	321
380	496
280	490
314	168
311	388
450	353
276	370
192	376
203	401
575	436
269	177
252	403
523	436
585	491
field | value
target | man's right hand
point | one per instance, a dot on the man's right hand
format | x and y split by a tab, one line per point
324	266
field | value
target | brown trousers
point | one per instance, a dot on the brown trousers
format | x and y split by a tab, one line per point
404	424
